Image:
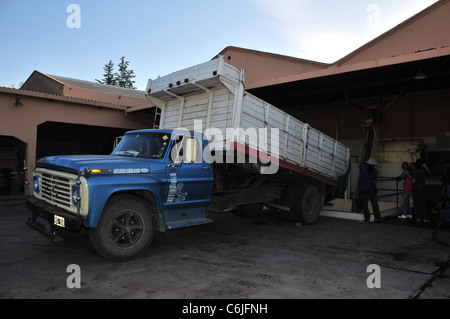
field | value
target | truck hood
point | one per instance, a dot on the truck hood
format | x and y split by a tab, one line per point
108	164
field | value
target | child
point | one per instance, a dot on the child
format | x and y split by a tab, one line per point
407	194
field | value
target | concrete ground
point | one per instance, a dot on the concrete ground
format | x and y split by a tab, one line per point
234	258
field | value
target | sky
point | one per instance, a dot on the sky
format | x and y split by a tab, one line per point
76	38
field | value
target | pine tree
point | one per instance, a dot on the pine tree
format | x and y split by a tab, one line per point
122	79
109	77
125	76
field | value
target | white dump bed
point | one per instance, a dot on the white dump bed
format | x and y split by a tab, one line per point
213	93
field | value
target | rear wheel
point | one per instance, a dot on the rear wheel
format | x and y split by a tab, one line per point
306	202
125	230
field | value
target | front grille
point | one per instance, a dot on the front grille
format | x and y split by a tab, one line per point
56	190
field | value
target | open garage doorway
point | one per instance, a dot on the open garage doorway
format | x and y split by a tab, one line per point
71	139
12	157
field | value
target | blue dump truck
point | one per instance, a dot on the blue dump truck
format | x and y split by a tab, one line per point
219	149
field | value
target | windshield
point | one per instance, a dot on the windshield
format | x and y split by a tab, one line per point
148	145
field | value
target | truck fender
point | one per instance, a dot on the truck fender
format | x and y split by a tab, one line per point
97	205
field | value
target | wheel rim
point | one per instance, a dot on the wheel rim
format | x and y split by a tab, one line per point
126	229
311	205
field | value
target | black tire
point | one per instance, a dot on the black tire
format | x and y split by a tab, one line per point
125	230
306	203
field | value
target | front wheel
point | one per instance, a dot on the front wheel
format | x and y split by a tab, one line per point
125	230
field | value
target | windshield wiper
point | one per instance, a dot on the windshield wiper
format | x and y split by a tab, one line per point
127	153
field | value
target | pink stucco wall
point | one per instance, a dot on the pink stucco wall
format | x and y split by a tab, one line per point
22	121
263	67
428	30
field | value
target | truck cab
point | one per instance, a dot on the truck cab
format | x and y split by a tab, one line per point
153	180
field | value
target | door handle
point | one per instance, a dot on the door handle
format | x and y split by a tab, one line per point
175	164
206	167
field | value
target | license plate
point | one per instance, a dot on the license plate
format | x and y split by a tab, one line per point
59	221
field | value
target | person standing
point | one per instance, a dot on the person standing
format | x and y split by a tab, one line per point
402	176
368	190
419	176
407	193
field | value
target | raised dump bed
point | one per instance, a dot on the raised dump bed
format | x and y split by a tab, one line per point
213	94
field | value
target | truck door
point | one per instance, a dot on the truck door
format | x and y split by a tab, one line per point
189	178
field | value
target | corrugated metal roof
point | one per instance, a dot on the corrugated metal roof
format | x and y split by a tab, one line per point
49	96
98	87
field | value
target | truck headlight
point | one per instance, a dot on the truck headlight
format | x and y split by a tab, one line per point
75	195
36	184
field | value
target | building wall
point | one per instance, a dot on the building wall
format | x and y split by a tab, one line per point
39	82
21	121
411	119
264	67
429	30
417	115
344	124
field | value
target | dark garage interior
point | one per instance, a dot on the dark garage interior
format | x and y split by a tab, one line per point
70	139
52	139
12	156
